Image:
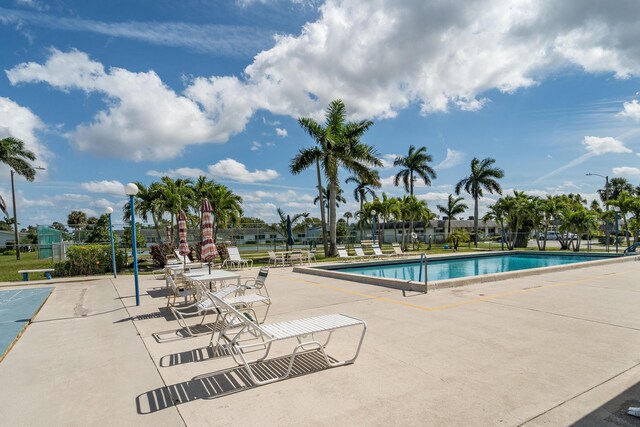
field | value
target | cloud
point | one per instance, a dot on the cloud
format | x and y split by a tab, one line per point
255	146
184	172
145	119
33	4
631	110
105	187
21	123
101	203
454	158
431	196
235	171
598	146
387	160
627	171
227	40
281	132
595	146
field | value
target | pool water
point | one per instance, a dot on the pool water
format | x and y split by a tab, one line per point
17	307
443	269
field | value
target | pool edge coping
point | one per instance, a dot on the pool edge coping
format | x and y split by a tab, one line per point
409	285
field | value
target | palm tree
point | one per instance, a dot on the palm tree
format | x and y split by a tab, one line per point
75	220
326	196
347	215
483	176
416	162
340	146
148	201
281	226
413	210
455	206
624	203
14	154
364	186
176	195
226	207
303	160
496	212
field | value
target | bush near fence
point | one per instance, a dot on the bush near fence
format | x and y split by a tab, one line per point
88	260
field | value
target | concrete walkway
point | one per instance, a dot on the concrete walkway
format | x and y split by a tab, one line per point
554	349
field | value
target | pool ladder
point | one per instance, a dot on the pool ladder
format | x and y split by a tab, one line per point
423	261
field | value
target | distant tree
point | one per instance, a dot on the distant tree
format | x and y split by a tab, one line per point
416	162
347	215
99	233
140	240
457	236
281	226
454	206
77	220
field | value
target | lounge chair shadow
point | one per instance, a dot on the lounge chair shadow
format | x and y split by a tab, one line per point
162	312
200	354
225	382
160	292
181	334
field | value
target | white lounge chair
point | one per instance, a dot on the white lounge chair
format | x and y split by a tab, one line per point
234	260
240	335
397	250
205	304
185	261
344	255
360	252
272	258
377	252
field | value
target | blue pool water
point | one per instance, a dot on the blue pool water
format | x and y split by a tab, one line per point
17	307
469	266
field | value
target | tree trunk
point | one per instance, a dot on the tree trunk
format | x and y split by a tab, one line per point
546	230
361	217
475	222
626	229
332	218
411	183
322	217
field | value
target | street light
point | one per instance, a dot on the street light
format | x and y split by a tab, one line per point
113	248
131	190
606	201
15	215
373	225
616	210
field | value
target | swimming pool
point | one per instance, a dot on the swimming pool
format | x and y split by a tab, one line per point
452	268
459	269
17	307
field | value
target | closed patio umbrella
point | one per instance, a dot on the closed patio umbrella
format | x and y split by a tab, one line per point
289	233
183	249
208	251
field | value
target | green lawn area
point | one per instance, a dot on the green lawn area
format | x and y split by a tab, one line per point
9	266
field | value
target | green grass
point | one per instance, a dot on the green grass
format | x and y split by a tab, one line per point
9	266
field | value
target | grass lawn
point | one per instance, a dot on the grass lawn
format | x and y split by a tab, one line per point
9	266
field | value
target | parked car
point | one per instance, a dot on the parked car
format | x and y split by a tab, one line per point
554	235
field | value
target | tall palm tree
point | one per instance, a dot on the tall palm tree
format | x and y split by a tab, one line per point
148	201
483	176
176	195
624	203
364	186
307	157
340	147
226	207
455	206
416	162
14	154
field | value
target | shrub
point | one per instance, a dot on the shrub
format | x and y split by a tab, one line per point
88	260
159	254
222	251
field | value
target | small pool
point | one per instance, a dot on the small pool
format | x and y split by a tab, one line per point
17	307
452	268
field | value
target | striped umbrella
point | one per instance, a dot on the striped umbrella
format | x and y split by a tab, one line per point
208	251
183	249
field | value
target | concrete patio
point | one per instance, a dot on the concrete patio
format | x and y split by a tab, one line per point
555	349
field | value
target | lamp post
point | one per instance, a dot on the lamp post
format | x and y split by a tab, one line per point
616	210
606	201
373	226
131	190
113	248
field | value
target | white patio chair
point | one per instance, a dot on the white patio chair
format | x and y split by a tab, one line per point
397	250
205	304
343	255
312	255
177	291
295	257
377	252
235	260
185	261
258	283
272	258
240	335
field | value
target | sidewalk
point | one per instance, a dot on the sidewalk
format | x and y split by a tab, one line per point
553	349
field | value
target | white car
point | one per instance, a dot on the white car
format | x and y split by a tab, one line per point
553	235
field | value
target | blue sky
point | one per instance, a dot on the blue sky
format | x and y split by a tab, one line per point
110	92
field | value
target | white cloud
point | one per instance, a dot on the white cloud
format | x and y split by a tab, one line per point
599	146
281	132
184	172
627	171
101	203
255	146
387	160
235	171
21	123
105	187
431	196
454	158
631	110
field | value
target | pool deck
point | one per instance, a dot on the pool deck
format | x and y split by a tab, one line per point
560	348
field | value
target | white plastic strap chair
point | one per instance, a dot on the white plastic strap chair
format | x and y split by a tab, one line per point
240	335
